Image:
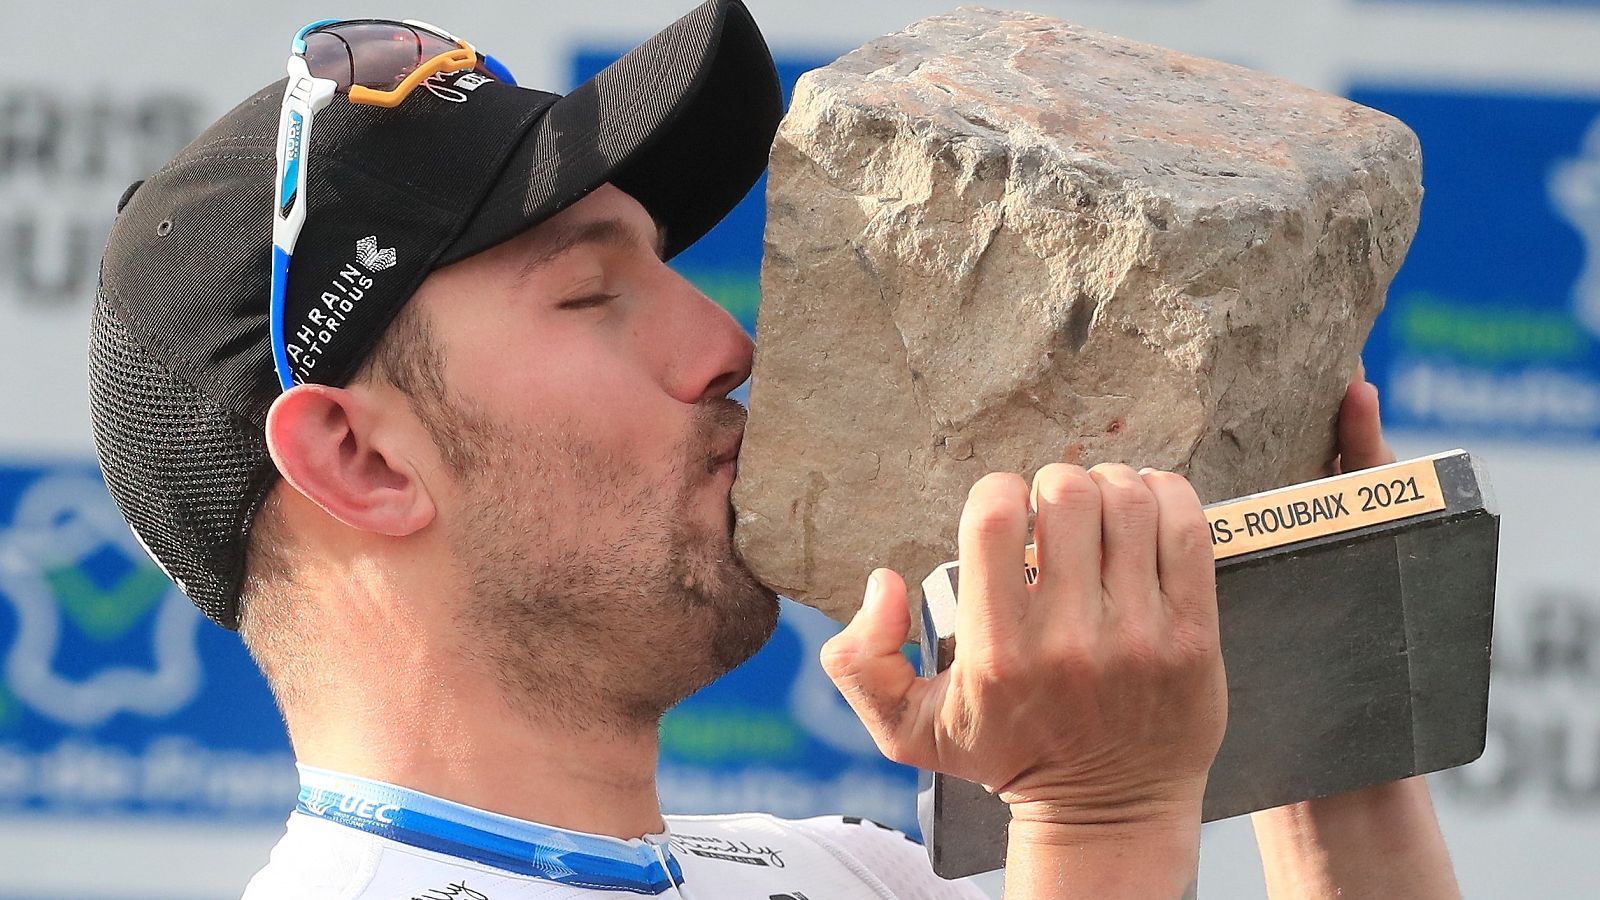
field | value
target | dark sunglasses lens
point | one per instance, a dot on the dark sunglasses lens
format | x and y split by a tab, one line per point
378	55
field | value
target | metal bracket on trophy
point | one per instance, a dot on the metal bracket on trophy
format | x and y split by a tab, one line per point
997	240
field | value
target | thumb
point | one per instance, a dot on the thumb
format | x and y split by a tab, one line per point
1361	443
866	665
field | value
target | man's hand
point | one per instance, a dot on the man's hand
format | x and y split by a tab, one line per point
1361	443
1381	841
1092	701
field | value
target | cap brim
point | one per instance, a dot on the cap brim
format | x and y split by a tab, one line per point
684	123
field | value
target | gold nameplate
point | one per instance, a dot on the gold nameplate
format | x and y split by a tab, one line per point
1316	508
1330	506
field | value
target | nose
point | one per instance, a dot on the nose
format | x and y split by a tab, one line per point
712	354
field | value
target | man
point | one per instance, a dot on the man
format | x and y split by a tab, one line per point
451	446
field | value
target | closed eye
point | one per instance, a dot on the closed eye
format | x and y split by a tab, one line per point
586	302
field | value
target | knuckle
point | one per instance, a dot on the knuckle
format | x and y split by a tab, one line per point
997	505
1005	485
1165	480
991	521
893	749
1172	489
1130	510
993	673
1060	484
1075	656
838	657
1193	655
1138	643
1121	488
1200	645
1113	472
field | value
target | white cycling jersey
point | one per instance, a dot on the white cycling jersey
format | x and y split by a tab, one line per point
356	839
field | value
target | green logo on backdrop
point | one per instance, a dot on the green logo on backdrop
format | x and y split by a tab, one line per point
1487	332
711	735
106	614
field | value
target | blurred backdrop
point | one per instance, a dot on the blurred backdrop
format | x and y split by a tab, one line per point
140	755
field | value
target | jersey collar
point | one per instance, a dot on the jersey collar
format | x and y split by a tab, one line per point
640	866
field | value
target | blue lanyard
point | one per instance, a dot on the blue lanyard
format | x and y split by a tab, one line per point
525	848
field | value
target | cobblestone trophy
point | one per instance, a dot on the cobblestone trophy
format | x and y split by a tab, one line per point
997	240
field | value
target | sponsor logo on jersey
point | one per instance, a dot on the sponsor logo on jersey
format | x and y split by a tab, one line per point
455	891
728	850
322	802
319	802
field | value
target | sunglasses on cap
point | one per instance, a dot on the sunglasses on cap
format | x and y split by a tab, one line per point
376	62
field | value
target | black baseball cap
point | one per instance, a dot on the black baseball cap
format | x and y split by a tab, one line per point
180	360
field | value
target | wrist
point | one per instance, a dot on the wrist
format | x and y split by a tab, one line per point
1170	828
1381	841
1135	858
1397	806
1153	809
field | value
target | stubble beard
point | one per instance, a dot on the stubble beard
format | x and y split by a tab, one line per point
594	597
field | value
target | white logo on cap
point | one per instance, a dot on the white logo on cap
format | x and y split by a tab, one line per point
454	91
375	260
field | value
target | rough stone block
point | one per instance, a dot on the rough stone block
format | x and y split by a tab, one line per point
998	240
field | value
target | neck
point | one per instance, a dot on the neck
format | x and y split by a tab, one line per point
455	737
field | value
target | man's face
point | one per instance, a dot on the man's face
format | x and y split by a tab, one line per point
590	447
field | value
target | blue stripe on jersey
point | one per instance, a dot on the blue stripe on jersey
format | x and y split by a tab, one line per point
525	848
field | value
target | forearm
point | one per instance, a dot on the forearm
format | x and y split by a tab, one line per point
1138	863
1382	841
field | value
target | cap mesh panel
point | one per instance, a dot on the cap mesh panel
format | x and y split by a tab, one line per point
187	474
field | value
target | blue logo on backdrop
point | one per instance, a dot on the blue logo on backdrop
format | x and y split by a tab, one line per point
117	696
1493	324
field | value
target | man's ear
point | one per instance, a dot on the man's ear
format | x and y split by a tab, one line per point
334	447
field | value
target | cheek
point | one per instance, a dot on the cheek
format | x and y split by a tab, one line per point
594	383
623	418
